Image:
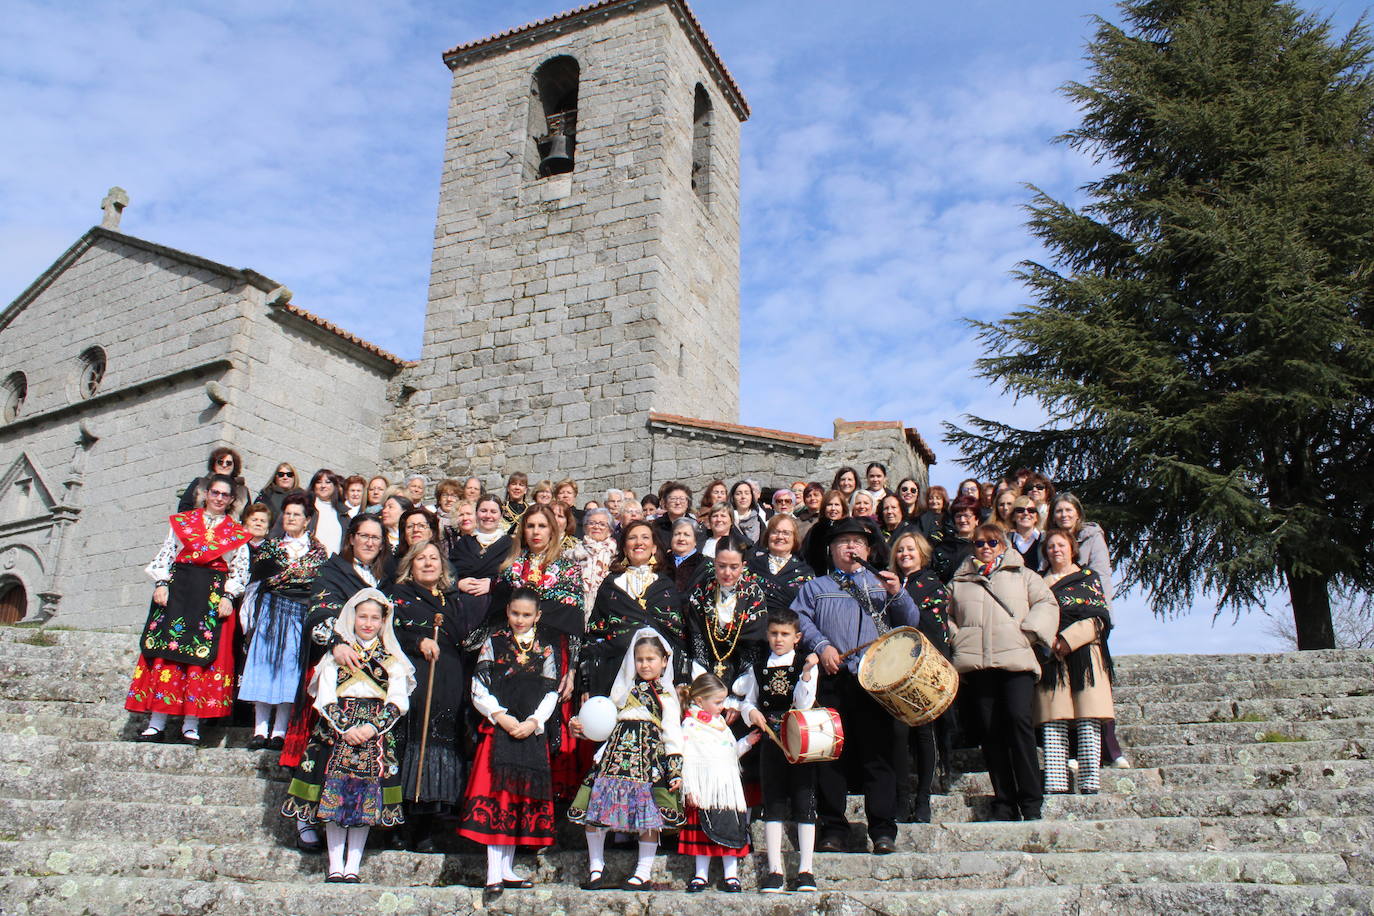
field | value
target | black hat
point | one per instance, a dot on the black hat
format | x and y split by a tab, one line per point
852	526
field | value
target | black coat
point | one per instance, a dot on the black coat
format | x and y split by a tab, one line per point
779	590
932	600
950	553
615	618
470	561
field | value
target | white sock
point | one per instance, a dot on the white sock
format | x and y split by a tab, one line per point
596	850
730	866
283	720
806	847
496	862
357	839
772	841
262	718
190	724
703	867
306	830
336	838
157	721
508	863
645	866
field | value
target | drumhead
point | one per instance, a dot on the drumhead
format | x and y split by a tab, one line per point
891	659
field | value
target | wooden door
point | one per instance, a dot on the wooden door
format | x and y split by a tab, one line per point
14	603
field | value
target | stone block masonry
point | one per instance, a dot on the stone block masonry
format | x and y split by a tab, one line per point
562	310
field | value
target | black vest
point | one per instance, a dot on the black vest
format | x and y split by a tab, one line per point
776	685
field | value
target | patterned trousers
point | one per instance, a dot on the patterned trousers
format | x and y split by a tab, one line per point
1056	738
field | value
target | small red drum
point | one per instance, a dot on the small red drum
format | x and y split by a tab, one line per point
812	735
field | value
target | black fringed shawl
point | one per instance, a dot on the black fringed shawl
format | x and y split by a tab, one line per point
520	681
1080	597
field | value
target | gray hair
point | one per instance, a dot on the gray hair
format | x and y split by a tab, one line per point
419	477
685	522
593	513
613	491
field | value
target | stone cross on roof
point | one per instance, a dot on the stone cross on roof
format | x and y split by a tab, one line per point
113	205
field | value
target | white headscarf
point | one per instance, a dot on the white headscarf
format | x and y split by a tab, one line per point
399	666
625	677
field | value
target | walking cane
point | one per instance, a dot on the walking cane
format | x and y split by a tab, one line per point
429	699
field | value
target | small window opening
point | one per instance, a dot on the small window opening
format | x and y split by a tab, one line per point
701	142
681	359
553	117
12	397
92	371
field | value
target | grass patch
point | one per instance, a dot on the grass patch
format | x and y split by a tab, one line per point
39	638
1247	717
1278	738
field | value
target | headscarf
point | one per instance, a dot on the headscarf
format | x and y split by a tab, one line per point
625	678
399	666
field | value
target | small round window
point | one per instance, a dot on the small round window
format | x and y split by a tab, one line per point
92	371
12	396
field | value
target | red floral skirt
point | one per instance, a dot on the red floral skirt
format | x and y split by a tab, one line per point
492	816
692	840
176	689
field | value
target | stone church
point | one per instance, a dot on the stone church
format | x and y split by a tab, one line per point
583	321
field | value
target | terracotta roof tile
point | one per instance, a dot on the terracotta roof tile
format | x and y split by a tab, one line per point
708	50
346	335
736	429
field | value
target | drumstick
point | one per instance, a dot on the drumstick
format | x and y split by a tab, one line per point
844	655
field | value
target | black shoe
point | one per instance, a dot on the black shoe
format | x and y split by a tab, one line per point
731	886
352	879
1001	811
805	882
597	881
191	737
1030	813
831	844
517	884
153	737
921	813
276	744
773	884
257	742
334	877
635	883
697	885
491	892
305	845
883	846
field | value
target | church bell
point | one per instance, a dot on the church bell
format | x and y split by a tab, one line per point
559	157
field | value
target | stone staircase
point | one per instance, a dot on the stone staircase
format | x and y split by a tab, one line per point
1252	792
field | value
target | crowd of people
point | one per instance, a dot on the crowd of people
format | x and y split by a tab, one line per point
421	657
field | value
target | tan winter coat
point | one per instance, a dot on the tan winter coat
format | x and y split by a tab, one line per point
985	635
1094	701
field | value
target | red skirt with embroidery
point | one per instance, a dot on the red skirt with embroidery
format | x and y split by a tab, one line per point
298	731
206	692
692	840
566	765
500	817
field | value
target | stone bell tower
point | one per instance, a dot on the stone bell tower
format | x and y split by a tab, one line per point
586	252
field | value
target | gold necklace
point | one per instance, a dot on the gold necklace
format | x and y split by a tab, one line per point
711	627
523	645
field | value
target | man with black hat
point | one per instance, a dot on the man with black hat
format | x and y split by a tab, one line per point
841	612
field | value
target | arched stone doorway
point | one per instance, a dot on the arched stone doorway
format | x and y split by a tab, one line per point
14	601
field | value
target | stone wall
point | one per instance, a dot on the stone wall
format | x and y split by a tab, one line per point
857	443
561	310
697	453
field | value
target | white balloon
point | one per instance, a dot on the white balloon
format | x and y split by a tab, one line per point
597	716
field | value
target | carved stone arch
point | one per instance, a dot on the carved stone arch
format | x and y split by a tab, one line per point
550	149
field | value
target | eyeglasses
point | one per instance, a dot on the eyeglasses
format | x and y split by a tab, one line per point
219	494
370	538
1037	486
1024	510
285	474
907	489
992	543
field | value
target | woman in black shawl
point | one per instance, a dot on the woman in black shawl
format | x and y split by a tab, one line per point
635	594
1076	682
779	569
476	558
431	623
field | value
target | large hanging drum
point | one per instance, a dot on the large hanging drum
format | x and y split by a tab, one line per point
812	735
908	676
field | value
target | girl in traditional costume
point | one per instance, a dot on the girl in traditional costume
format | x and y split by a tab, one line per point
509	797
717	817
634	783
350	777
186	664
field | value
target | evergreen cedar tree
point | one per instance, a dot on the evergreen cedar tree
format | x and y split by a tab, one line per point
1202	341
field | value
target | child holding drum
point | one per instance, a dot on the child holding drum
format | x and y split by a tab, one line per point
769	689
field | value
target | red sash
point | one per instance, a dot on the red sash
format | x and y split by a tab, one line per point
203	545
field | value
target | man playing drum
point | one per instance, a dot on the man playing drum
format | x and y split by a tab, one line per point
841	613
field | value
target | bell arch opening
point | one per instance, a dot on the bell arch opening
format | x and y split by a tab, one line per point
552	142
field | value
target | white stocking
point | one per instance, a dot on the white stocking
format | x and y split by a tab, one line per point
282	721
190	724
357	839
157	722
262	718
645	866
596	850
496	861
703	867
336	838
772	841
729	866
806	847
508	863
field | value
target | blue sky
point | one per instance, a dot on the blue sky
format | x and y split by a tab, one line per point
883	177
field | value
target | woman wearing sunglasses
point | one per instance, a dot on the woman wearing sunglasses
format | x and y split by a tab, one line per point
999	609
223	460
284	482
1026	534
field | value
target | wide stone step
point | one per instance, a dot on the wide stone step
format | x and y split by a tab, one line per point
1160	755
1246	710
1336	774
79	728
915	870
1271	688
1264	660
58	636
1270	731
119	896
61	753
1240	673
